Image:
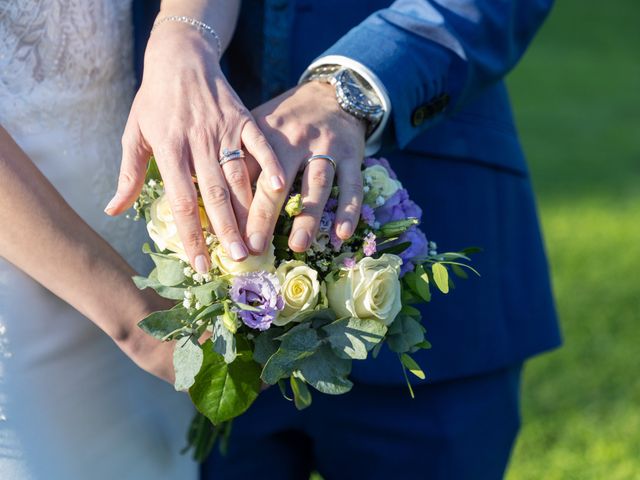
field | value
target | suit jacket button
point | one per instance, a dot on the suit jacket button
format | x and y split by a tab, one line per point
418	116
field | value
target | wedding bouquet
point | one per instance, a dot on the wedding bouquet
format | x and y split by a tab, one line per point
296	320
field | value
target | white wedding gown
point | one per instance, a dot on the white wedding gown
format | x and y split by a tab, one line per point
72	405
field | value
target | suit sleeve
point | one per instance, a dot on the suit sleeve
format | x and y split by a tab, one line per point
434	55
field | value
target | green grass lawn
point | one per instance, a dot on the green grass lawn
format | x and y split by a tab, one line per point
577	100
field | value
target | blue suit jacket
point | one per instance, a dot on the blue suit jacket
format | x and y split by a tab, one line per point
451	139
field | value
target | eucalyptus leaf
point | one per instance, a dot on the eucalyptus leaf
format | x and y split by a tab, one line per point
172	293
301	394
170	270
326	372
224	341
265	345
223	391
352	338
211	311
298	343
210	292
411	311
441	277
165	324
187	360
404	333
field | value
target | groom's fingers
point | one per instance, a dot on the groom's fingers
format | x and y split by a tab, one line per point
132	172
258	147
317	181
349	199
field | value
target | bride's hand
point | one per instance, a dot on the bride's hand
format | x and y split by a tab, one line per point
185	114
302	122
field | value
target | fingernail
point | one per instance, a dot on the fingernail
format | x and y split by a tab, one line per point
238	251
300	238
276	183
111	204
345	229
201	264
256	242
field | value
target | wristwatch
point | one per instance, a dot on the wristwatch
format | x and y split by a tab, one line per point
353	93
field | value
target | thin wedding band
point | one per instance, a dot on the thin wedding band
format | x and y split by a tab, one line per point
322	157
228	155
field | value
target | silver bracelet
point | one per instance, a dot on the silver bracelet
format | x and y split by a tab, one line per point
200	26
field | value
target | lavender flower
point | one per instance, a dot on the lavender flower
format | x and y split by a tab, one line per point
398	207
369	246
349	262
331	204
260	290
368	215
418	249
336	242
326	221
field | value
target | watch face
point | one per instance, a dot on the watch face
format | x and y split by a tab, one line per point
357	94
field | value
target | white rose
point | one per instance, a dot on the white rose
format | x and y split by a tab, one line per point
370	290
380	181
301	290
163	230
253	263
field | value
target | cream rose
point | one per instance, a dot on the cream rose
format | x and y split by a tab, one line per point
252	263
380	182
370	290
163	230
301	290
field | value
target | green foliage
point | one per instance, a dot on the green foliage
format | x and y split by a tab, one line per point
404	333
223	391
224	341
412	366
165	324
440	277
210	292
301	393
172	293
298	343
169	270
396	228
325	371
353	338
187	361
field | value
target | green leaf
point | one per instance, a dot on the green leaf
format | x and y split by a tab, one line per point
170	270
224	341
412	366
396	249
210	292
471	250
425	345
223	391
265	345
211	311
172	293
441	277
187	360
411	311
459	271
397	228
352	338
153	172
165	324
326	372
422	284
301	394
298	343
404	333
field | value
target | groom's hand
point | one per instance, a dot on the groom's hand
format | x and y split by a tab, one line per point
302	122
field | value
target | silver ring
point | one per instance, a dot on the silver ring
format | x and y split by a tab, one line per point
228	155
322	157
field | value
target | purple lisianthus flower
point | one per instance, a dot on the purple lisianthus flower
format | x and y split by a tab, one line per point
260	290
369	246
368	215
398	207
419	248
326	221
349	262
370	161
336	242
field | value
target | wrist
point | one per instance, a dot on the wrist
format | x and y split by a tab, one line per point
326	94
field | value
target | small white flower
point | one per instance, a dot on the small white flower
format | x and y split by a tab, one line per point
188	272
197	277
136	205
376	225
366	189
186	303
198	305
368	179
209	240
379	200
152	183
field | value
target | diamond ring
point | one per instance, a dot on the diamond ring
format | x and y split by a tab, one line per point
228	155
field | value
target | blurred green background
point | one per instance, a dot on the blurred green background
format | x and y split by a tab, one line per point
576	96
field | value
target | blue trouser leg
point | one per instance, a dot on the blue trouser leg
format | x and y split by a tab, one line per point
458	429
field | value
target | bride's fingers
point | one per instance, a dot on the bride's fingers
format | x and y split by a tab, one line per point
135	157
259	148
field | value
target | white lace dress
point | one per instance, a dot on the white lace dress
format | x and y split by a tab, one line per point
72	406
